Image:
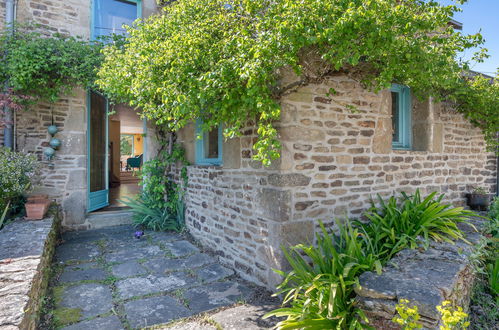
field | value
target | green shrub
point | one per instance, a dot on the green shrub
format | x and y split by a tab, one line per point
319	290
17	170
493	274
410	220
160	205
494	209
153	218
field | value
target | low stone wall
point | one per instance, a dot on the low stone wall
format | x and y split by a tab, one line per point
424	277
26	252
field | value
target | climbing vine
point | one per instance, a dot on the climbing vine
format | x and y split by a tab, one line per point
220	60
40	67
160	204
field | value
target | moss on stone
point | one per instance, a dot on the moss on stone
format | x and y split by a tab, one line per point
57	293
64	316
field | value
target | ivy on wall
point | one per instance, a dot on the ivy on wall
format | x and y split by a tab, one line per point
219	60
40	67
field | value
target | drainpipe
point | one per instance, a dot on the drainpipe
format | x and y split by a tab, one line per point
8	132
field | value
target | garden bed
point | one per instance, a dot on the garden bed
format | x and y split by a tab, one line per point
25	257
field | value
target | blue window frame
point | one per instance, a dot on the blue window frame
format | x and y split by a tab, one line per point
208	145
401	117
109	16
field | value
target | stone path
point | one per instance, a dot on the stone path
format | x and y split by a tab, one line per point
107	279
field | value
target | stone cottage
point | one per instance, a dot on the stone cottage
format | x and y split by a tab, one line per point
333	160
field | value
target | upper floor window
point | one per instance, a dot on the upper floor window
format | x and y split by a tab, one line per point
208	145
401	117
109	16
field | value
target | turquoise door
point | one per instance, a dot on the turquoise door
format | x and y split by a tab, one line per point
98	163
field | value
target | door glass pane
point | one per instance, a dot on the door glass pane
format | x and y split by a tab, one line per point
210	141
98	118
126	145
111	15
396	116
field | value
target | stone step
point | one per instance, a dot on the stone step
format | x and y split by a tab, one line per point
96	220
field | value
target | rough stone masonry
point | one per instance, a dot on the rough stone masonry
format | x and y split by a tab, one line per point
424	277
333	161
25	257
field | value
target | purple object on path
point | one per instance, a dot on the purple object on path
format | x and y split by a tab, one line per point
139	234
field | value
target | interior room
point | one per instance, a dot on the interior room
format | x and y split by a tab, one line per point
126	154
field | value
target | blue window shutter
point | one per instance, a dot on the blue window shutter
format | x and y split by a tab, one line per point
403	130
201	159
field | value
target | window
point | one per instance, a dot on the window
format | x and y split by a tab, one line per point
109	16
401	117
126	145
208	145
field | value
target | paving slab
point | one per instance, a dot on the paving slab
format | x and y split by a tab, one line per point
118	231
128	269
247	317
181	248
162	266
192	325
160	278
114	245
162	236
76	252
155	310
85	236
131	253
83	272
140	286
208	297
92	299
240	317
213	273
105	323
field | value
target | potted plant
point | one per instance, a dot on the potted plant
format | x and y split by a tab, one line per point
36	207
479	199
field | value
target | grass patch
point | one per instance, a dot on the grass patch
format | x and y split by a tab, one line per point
64	316
110	280
212	322
484	310
179	294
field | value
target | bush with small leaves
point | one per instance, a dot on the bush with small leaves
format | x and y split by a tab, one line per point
17	172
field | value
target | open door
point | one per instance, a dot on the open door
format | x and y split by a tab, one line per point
98	163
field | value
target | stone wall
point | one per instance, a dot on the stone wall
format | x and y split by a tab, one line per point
235	212
25	258
69	17
64	177
347	155
425	277
333	161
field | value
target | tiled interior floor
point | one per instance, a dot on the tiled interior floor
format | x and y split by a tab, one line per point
123	190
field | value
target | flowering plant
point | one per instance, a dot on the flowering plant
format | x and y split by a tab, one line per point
17	171
452	317
407	317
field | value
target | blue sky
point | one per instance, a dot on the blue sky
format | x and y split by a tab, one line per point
484	15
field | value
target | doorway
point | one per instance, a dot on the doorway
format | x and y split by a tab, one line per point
113	170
